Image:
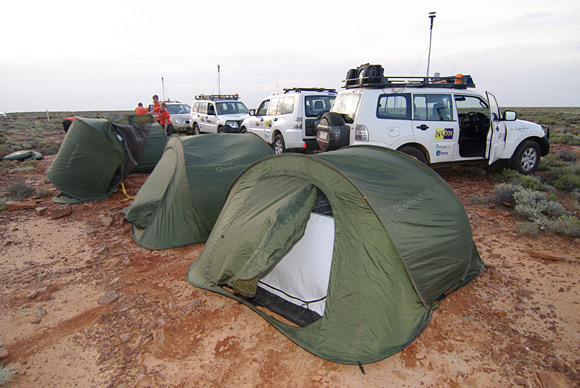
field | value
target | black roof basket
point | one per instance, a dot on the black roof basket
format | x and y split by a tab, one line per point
372	76
309	90
214	97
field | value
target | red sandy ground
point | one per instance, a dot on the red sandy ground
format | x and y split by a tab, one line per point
517	325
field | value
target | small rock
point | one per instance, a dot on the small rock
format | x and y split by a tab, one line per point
35	320
521	381
126	337
420	356
32	294
91	230
60	211
41	312
192	304
126	261
495	286
547	255
3	351
108	298
40	211
107	221
561	289
553	379
523	293
10	206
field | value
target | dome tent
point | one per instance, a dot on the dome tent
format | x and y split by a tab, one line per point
97	154
380	238
182	198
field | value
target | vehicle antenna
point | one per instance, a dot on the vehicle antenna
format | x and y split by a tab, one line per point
163	87
219	85
431	16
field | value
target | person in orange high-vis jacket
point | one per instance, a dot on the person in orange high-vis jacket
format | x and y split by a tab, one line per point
163	117
154	108
140	110
66	123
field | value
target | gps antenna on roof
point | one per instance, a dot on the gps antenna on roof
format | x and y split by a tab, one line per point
431	16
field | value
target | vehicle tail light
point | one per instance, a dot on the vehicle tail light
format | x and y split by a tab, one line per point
361	133
298	123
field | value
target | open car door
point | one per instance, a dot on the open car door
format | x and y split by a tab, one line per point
496	136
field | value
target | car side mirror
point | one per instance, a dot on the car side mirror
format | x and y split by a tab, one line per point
509	115
348	119
252	112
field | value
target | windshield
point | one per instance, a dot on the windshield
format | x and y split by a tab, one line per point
231	107
315	105
346	103
177	109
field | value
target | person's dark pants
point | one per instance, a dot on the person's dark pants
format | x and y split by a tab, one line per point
66	124
170	130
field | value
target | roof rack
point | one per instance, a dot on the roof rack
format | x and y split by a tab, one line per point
309	90
214	97
371	76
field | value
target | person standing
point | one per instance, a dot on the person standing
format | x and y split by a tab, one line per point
154	108
140	110
164	118
66	123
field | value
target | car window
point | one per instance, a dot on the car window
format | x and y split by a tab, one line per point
346	103
287	105
231	107
315	105
263	109
394	106
275	106
176	109
210	108
432	107
466	104
195	107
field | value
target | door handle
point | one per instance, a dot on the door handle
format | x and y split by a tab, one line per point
423	127
276	119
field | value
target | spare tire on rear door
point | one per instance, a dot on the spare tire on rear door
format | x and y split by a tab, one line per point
332	133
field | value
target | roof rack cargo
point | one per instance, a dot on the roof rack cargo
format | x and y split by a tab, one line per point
371	76
309	90
217	97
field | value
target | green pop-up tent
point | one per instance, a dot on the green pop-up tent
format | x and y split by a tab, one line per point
355	247
97	154
182	198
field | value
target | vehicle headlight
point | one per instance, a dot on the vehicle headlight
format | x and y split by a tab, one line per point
179	121
233	124
361	133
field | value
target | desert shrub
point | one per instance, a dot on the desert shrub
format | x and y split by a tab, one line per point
529	228
565	138
504	193
43	193
2	203
528	181
534	205
566	155
6	374
20	170
20	191
565	225
480	199
48	147
568	182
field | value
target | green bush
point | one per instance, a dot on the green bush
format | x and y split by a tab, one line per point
533	205
568	182
504	193
528	181
566	155
529	228
565	226
6	374
20	191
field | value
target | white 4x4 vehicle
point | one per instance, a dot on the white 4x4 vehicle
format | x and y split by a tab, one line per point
217	113
288	120
434	119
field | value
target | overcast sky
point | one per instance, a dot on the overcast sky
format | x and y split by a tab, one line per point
110	55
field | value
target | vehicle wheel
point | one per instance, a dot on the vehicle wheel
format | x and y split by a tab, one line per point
414	152
330	119
278	145
243	130
526	158
220	129
195	129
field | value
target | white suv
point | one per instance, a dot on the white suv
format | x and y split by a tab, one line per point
288	120
217	113
434	119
